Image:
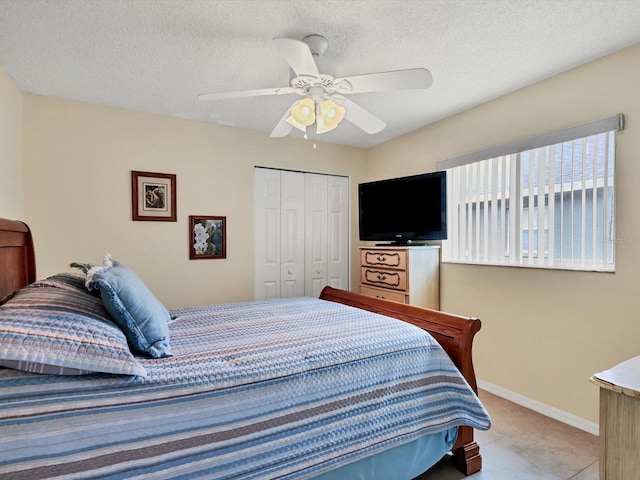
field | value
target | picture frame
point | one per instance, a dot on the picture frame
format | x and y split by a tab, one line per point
207	237
153	196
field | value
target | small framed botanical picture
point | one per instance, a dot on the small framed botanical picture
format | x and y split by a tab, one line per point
207	237
153	196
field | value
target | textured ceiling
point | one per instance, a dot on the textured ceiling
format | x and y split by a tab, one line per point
158	55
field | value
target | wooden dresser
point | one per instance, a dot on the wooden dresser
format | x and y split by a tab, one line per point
403	274
620	420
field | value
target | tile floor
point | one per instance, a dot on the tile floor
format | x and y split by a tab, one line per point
525	445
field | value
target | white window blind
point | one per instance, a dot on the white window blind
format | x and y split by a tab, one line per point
547	201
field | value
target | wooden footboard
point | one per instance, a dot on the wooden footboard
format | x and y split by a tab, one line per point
453	332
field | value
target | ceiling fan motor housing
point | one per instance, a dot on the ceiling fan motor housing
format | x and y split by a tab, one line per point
317	44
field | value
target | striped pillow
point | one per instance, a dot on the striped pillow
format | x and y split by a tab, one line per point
55	326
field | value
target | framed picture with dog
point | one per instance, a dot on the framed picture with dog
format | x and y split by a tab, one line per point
153	196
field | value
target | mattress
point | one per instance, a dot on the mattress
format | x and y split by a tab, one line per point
286	388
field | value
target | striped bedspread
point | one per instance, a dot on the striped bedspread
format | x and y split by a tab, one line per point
286	388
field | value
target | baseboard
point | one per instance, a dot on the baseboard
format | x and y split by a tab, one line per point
543	408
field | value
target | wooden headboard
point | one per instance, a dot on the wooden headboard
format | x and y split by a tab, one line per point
17	258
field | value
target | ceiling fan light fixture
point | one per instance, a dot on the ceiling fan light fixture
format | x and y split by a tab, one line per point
329	116
302	114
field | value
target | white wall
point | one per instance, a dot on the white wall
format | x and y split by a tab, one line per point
78	160
11	180
545	332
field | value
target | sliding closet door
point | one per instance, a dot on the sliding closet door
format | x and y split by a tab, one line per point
326	232
292	234
338	232
316	235
301	233
266	237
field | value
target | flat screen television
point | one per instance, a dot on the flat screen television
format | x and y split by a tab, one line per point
403	210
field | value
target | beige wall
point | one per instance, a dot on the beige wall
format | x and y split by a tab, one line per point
11	181
545	332
78	160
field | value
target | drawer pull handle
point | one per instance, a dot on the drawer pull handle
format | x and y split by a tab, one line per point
382	277
289	272
382	259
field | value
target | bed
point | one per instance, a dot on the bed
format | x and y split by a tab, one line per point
327	388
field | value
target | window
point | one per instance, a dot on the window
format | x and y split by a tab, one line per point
542	202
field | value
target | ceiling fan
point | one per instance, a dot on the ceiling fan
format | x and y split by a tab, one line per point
324	102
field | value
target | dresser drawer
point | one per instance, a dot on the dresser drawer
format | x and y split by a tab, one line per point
384	258
386	294
384	278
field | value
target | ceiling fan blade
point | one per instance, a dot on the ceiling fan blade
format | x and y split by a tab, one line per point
283	127
415	78
246	93
298	56
361	118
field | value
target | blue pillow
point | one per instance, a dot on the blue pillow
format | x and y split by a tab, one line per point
142	318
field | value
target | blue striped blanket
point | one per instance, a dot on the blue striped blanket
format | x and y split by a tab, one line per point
286	388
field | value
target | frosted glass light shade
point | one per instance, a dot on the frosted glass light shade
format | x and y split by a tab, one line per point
302	114
329	116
